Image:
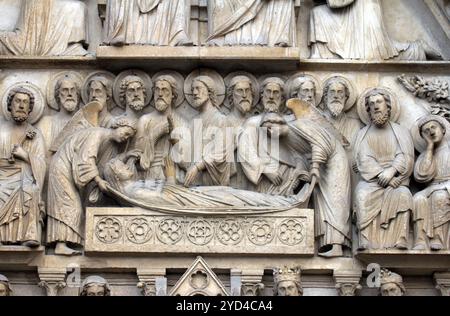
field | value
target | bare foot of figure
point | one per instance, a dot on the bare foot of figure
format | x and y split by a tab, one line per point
64	250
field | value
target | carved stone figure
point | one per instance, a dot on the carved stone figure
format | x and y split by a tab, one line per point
287	282
148	22
306	88
5	288
215	159
431	206
132	92
72	168
274	171
100	90
391	284
252	22
48	28
384	157
153	140
66	100
329	175
339	97
354	29
22	171
95	286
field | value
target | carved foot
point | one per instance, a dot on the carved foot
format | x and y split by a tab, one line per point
64	250
436	246
402	244
31	243
420	247
336	251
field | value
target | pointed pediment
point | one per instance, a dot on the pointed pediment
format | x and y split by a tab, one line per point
199	280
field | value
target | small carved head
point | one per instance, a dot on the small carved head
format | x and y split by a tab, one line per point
5	289
20	103
391	284
123	129
433	127
204	89
133	92
95	286
240	94
379	106
272	94
100	90
165	92
336	94
287	282
304	89
67	94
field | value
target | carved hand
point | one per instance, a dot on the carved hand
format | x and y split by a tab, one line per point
19	152
275	178
191	175
396	182
135	153
386	176
430	142
102	184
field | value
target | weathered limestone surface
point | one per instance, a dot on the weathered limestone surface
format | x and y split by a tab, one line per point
226	147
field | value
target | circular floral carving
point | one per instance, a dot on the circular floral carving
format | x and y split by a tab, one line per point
139	230
260	232
200	232
170	231
229	232
108	230
291	232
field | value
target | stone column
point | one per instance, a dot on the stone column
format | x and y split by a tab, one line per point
235	282
443	282
252	282
52	279
148	282
347	282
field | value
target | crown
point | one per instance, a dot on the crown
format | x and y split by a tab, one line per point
390	277
287	274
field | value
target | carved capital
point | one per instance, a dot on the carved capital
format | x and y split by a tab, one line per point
252	283
443	283
52	280
347	282
147	281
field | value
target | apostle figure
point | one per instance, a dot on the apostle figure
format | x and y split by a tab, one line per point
309	137
95	285
22	173
354	29
72	168
133	96
264	158
48	28
148	22
384	157
252	22
305	88
67	99
431	206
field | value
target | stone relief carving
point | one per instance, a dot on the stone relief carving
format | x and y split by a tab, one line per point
287	282
252	22
22	167
431	207
435	92
48	28
5	287
95	285
384	158
147	22
355	29
305	87
391	284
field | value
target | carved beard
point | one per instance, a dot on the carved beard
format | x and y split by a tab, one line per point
137	105
161	105
380	118
20	117
336	107
70	105
271	106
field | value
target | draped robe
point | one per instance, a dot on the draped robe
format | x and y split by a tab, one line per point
48	28
148	22
253	22
21	185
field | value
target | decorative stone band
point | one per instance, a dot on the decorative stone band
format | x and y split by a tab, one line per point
132	230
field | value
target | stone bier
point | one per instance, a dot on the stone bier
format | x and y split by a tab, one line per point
286	145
